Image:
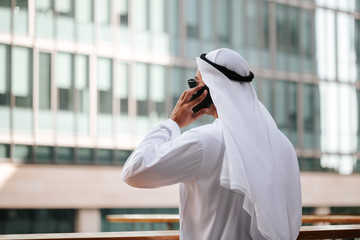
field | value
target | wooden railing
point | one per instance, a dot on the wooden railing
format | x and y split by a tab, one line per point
306	232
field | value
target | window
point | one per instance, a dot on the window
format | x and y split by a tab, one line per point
122	156
286	109
104	18
122	18
192	27
208	21
307	40
44	118
142	99
173	26
65	91
65	24
105	156
4	152
22	221
287	25
160	40
311	103
5	13
84	17
5	87
64	155
312	165
105	96
122	97
82	93
22	154
357	46
22	88
85	156
45	18
44	154
20	16
141	14
157	93
223	22
178	83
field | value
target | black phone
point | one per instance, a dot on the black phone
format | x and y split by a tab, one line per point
207	100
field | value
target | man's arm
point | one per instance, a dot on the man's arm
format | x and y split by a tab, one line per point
164	157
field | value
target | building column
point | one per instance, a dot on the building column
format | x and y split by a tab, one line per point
88	220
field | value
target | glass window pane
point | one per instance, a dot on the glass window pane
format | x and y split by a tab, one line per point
105	96
44	154
5	13
84	15
64	155
122	156
45	18
223	24
20	16
207	26
122	17
192	27
104	18
122	92
65	89
105	156
173	28
5	87
4	152
22	154
357	47
178	83
82	93
44	81
311	103
85	156
64	10
22	88
157	93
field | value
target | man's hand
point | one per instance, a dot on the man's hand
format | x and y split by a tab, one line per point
182	113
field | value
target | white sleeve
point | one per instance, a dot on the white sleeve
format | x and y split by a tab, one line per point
164	157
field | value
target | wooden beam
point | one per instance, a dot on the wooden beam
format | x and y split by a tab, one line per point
329	232
141	235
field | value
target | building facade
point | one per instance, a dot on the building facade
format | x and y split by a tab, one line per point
82	82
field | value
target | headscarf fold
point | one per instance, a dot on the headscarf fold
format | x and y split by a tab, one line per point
259	162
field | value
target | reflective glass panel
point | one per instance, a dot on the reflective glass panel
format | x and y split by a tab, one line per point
173	27
84	16
5	13
5	87
142	99
311	104
307	40
142	23
85	156
122	93
22	154
65	90
45	18
44	154
44	121
357	47
157	93
105	156
65	23
105	96
122	156
192	27
122	17
22	88
20	16
4	152
104	19
64	155
82	93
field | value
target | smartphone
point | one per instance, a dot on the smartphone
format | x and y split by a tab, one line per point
207	100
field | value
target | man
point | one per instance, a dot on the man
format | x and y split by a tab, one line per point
239	176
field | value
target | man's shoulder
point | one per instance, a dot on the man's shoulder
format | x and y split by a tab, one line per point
208	130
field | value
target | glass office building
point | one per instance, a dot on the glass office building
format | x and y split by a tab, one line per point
82	81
